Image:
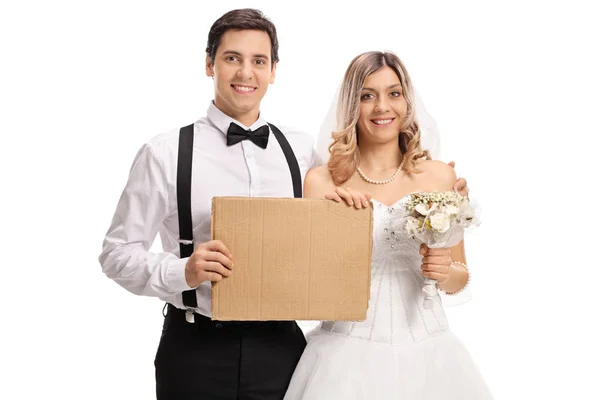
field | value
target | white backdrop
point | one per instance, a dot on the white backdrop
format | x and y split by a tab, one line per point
513	85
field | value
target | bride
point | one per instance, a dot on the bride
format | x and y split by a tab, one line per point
402	350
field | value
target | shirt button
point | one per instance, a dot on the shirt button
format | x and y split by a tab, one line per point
218	325
248	156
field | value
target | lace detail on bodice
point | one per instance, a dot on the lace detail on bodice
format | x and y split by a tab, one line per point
396	314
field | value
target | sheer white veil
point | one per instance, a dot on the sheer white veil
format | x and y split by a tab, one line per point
430	136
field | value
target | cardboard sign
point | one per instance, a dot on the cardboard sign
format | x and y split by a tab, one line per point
293	259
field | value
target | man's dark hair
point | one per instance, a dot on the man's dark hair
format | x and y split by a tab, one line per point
242	19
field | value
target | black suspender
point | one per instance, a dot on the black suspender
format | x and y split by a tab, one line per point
291	160
184	202
184	192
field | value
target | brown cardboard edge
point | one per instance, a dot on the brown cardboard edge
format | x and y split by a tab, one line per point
214	310
369	272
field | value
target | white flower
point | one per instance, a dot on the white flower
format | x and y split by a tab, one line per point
465	206
412	225
451	210
440	222
466	214
468	219
424	209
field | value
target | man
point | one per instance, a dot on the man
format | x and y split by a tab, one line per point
232	151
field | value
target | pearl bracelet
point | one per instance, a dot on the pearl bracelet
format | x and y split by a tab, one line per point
466	284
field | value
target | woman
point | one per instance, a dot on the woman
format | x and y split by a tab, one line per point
402	350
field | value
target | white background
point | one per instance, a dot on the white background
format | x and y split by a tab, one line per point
513	86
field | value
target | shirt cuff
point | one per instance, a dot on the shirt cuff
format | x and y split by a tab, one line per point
176	277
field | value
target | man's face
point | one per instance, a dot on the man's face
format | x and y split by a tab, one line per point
242	72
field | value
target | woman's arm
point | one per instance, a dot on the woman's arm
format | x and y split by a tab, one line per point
316	183
447	266
458	275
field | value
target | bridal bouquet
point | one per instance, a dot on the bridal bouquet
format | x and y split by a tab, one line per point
437	220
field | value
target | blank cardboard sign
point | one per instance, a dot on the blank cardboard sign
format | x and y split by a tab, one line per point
294	259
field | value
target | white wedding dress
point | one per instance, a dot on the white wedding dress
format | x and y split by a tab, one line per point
402	350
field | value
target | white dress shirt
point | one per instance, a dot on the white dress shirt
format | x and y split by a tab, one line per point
148	204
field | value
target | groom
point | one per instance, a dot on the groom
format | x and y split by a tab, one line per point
232	151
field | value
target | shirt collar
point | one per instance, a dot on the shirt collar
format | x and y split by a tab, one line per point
222	120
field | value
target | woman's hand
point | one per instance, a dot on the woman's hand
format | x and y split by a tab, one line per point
350	196
436	263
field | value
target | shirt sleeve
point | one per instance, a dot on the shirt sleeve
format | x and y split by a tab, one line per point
140	212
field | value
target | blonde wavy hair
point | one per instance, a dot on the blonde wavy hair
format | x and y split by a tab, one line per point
344	150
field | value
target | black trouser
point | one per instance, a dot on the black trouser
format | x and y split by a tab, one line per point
225	360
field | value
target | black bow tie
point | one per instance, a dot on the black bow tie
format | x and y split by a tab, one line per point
259	137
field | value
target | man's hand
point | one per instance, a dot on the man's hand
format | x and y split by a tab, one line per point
461	184
211	261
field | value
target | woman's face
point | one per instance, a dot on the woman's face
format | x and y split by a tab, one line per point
382	107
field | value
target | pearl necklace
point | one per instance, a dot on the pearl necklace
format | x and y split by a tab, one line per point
375	181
